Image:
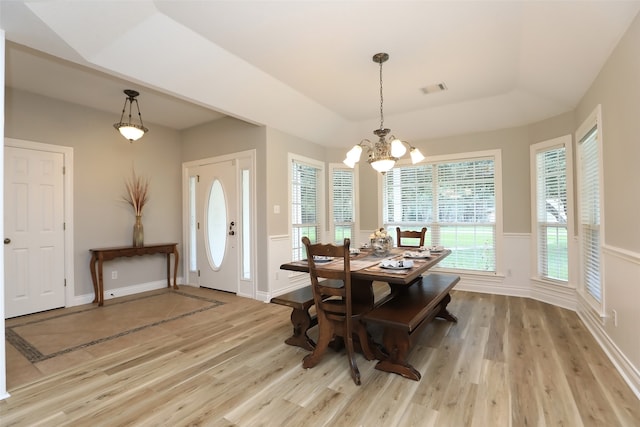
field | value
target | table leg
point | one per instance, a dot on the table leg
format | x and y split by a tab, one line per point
94	279
176	257
168	270
362	292
100	282
397	343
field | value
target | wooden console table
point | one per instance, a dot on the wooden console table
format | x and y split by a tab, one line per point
105	254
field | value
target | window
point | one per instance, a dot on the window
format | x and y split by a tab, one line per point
306	203
550	166
193	224
246	223
456	198
590	207
342	203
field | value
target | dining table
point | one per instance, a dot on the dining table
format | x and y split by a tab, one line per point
367	267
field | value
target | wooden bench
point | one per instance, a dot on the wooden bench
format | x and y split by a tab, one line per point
404	315
301	300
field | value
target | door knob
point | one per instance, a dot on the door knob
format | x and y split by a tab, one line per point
7	240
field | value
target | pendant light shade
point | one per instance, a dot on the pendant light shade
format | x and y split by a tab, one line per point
130	130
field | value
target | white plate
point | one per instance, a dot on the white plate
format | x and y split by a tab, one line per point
394	268
322	259
417	256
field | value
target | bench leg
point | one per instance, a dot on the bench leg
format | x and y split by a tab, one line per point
398	343
444	313
301	321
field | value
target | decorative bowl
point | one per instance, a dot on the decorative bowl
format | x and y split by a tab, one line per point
381	246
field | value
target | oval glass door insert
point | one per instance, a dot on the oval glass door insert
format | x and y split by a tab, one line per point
216	224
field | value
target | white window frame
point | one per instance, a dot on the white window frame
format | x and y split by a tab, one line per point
496	155
320	200
593	120
560	142
356	200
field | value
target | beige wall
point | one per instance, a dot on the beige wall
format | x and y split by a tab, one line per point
279	146
617	89
102	161
221	137
227	136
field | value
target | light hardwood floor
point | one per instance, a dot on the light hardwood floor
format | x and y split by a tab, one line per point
507	362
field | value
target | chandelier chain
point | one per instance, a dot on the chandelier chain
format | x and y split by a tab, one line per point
381	100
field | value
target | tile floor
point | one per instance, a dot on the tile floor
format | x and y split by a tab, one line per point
54	340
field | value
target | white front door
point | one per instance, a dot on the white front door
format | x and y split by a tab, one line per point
217	230
34	231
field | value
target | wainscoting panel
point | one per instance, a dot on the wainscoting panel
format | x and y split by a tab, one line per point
281	281
617	332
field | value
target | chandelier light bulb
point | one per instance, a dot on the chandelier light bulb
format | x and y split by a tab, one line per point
397	148
355	153
416	155
349	162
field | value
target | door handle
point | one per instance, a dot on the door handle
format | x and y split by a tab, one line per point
7	240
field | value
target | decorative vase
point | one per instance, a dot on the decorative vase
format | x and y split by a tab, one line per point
381	246
138	232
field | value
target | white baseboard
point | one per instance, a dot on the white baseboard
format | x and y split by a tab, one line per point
489	285
124	291
263	296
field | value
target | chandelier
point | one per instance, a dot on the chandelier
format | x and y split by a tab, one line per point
384	153
130	130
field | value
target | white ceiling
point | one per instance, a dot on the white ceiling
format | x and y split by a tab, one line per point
305	67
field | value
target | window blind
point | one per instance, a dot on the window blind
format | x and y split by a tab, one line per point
343	196
456	201
590	212
304	207
408	195
551	214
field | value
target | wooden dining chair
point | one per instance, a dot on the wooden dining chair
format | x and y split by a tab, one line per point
410	234
338	314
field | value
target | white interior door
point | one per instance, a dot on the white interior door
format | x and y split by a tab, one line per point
217	230
34	231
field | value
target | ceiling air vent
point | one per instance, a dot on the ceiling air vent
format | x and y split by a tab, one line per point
437	87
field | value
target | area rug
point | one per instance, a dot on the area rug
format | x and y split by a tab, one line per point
58	334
